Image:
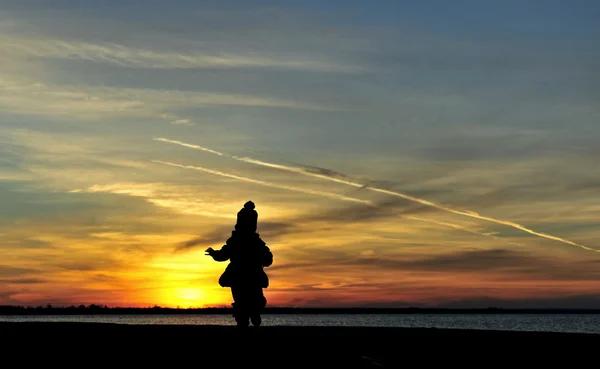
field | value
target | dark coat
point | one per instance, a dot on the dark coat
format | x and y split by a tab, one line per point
248	255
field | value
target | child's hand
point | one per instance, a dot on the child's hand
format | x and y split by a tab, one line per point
209	251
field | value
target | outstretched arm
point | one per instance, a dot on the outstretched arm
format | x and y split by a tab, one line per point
219	255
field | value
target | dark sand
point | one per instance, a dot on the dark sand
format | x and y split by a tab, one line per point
137	346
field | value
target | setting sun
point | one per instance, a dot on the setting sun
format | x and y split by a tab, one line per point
188	297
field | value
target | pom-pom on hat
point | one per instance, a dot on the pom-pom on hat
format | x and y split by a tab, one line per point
247	218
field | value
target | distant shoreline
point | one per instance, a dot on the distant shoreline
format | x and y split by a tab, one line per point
103	310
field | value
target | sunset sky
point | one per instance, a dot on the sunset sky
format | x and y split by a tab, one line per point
417	153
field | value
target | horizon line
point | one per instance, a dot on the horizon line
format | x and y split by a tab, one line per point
106	307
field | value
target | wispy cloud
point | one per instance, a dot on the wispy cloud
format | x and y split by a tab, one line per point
161	195
333	176
496	262
93	102
124	56
176	120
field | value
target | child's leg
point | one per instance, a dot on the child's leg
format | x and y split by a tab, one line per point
239	306
263	300
258	304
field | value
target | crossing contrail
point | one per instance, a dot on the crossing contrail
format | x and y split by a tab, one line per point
192	146
459	227
318	193
349	182
267	184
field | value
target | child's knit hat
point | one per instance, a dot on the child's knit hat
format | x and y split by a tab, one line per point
247	218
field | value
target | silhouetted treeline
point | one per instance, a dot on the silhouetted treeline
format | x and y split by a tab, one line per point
157	310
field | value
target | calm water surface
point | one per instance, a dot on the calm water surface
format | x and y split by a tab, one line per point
583	323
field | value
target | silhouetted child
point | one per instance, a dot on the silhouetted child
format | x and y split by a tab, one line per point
248	254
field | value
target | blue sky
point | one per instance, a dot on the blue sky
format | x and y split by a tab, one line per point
485	106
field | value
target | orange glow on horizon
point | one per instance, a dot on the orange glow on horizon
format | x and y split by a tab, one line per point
188	297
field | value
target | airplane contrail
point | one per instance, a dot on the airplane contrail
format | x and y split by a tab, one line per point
459	227
191	146
467	213
268	184
473	214
318	193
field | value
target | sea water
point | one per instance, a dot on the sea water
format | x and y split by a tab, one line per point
577	323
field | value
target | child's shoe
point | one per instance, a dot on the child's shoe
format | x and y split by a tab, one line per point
256	320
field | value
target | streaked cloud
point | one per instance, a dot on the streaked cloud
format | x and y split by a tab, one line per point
161	195
84	102
494	262
123	56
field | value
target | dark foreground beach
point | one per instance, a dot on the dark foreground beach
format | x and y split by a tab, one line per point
114	345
